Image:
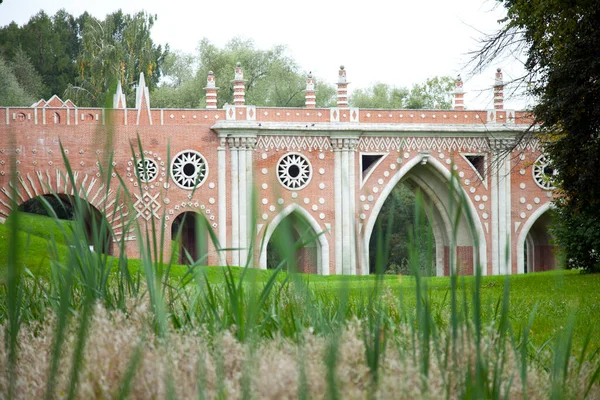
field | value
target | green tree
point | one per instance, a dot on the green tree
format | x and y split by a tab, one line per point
561	41
379	95
178	68
51	43
27	76
435	92
272	77
397	217
118	48
11	92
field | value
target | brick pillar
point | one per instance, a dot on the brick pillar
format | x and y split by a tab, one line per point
239	87
310	98
459	101
499	91
211	91
342	89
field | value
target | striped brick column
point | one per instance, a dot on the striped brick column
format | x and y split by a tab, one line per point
309	96
211	91
499	91
342	89
459	101
239	87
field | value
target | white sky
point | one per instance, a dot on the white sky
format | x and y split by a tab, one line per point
396	42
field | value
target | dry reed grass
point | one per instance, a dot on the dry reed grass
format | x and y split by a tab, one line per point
272	364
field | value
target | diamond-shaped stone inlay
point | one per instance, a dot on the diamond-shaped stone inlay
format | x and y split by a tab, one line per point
146	206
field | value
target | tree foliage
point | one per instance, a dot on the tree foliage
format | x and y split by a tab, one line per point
434	93
402	233
11	92
51	43
116	49
272	77
83	57
561	41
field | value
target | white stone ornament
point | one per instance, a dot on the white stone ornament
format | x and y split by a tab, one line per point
294	171
543	173
189	169
146	170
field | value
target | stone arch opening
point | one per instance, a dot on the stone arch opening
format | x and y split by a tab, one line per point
536	244
405	230
295	235
454	223
98	233
189	232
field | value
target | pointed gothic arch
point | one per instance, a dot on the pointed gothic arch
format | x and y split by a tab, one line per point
435	180
321	243
534	249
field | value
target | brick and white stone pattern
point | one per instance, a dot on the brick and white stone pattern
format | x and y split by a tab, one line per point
241	147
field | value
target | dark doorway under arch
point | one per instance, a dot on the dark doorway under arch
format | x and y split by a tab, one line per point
295	240
539	248
401	235
66	207
189	230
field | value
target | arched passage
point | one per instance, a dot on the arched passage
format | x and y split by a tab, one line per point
96	228
458	239
403	231
535	243
298	226
189	231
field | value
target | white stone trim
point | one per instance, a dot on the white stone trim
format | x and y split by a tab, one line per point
495	219
372	129
352	209
334	111
222	192
250	112
235	217
346	216
249	206
243	201
323	261
337	176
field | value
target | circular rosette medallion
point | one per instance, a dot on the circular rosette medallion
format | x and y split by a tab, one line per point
189	169
147	169
544	173
293	171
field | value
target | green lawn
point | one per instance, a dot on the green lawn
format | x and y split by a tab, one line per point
557	295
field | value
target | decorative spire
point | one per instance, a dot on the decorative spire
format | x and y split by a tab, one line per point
239	87
459	102
119	100
499	91
342	91
310	98
142	102
211	91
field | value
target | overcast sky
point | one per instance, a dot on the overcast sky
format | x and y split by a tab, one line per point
396	42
